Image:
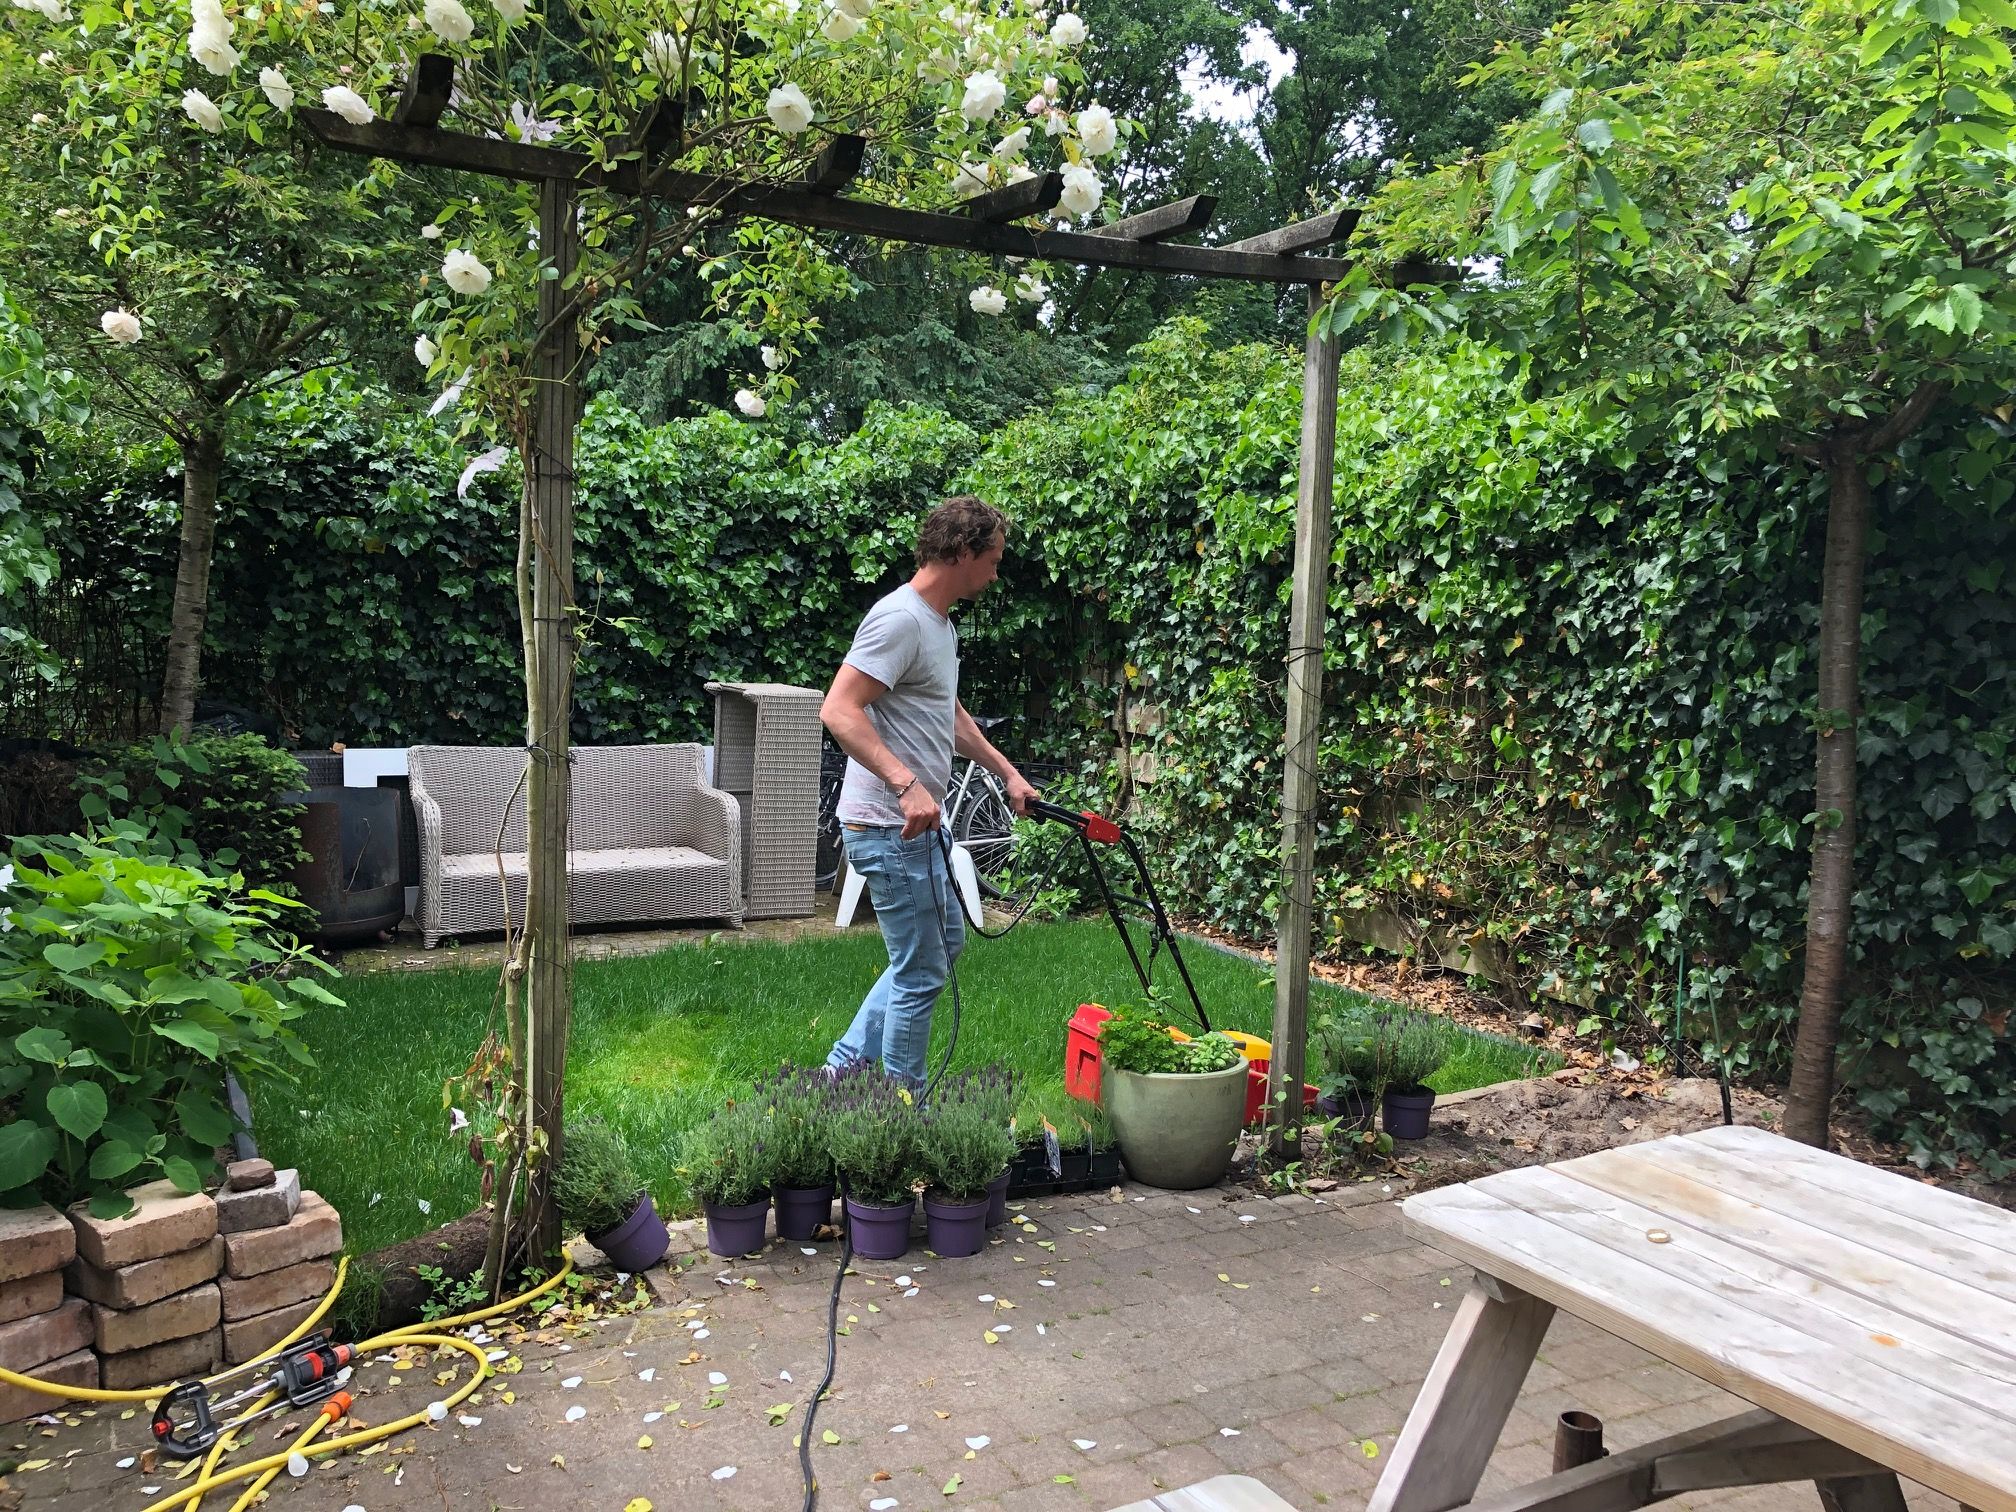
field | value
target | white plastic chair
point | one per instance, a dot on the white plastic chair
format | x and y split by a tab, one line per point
965	876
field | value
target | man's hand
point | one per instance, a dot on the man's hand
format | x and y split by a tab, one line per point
920	811
1021	793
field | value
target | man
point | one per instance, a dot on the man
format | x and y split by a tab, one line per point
894	707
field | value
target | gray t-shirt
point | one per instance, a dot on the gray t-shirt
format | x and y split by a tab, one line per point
913	650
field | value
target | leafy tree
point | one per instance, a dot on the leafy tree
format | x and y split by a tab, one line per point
1785	225
32	396
182	253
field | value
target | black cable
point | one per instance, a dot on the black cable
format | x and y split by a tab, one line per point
832	1358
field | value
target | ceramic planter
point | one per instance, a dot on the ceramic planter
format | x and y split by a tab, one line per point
733	1231
802	1210
639	1241
1176	1129
880	1232
1405	1113
956	1226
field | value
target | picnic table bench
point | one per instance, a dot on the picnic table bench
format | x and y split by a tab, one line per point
1870	1318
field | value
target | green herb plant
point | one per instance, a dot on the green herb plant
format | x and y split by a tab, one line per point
595	1184
728	1161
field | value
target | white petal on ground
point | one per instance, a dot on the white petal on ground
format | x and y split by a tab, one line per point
1084	1443
571	1382
1228	1433
900	1428
648	1375
575	1414
979	1442
726	1472
715	1378
469	1422
297	1465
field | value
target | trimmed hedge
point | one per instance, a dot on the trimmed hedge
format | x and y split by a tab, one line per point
1569	688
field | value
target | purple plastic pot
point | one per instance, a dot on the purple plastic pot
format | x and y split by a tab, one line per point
733	1231
955	1228
879	1232
997	1199
639	1241
1406	1112
1354	1108
801	1210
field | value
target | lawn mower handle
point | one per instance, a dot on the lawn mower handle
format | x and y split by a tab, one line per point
1093	829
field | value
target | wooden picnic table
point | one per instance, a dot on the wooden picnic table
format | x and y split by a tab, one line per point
1870	1318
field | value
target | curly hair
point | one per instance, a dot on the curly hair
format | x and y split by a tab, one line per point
961	525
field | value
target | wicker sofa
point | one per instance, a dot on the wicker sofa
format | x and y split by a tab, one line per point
648	839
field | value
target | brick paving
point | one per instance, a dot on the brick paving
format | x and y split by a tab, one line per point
1184	1336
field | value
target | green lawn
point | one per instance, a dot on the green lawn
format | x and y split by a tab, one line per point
657	1040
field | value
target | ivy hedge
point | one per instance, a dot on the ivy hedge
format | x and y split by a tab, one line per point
1569	686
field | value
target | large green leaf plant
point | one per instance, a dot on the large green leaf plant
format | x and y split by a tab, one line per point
129	986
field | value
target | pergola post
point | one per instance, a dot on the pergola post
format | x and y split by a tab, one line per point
1307	611
549	965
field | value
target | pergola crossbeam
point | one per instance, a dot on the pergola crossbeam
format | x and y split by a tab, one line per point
1030	197
798	205
1164	221
427	91
1317	231
836	166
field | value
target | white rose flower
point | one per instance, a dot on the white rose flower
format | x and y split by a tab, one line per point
1096	131
987	300
214	53
985	94
40	118
969	179
1056	123
858	9
790	111
750	403
1019	173
839	26
1069	30
1031	288
121	326
1035	105
349	104
772	358
661	54
1082	190
6	876
46	59
424	351
203	110
1050	85
513	11
466	274
430	233
278	90
53	10
448	20
1014	144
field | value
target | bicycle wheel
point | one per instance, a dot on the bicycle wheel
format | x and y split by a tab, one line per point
986	827
832	774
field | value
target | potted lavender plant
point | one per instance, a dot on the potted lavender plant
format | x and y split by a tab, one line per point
798	1103
873	1132
966	1146
727	1163
598	1191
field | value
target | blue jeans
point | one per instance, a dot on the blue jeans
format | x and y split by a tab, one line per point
909	882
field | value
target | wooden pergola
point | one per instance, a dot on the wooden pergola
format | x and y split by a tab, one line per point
985	224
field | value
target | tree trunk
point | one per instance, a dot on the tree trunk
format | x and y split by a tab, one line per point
549	981
1831	892
202	462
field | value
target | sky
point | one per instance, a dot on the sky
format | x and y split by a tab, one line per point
1220	101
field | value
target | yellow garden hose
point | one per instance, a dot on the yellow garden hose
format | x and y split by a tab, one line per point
336	1407
413	1333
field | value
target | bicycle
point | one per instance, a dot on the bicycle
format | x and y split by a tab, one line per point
976	809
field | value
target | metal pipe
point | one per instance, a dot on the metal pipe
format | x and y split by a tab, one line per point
1578	1440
